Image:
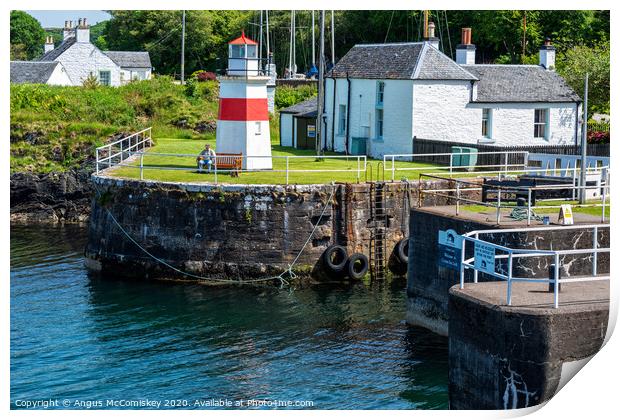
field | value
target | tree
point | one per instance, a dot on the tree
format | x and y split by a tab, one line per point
27	36
592	60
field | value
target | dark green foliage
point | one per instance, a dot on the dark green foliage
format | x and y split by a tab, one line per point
287	95
27	36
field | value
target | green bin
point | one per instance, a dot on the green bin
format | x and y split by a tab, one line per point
469	159
358	145
456	158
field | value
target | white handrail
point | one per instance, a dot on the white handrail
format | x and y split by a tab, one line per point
143	138
511	253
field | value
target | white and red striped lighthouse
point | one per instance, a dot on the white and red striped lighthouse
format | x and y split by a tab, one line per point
243	118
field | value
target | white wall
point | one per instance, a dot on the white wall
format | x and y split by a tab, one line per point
59	77
396	114
286	129
129	73
441	111
513	124
83	58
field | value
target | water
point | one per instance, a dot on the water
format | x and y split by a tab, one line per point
86	338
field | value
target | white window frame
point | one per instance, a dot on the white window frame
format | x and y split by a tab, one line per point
544	124
379	123
258	127
489	124
109	77
380	93
342	119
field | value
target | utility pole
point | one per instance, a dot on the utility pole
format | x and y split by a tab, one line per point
321	93
333	42
183	51
584	145
524	33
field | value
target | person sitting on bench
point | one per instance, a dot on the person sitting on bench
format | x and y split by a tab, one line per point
206	157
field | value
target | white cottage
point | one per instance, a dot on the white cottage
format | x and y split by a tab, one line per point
81	58
378	97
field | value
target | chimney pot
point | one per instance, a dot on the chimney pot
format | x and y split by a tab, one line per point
84	21
431	29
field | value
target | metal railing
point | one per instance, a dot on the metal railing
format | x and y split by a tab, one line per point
463	186
510	254
118	151
359	169
504	167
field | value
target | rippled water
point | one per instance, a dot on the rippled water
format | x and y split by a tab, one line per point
81	337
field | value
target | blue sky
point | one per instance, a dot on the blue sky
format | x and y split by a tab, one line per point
56	18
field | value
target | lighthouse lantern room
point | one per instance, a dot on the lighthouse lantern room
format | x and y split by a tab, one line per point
243	118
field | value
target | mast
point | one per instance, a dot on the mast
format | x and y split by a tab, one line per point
183	51
333	43
294	65
267	28
260	41
321	93
313	53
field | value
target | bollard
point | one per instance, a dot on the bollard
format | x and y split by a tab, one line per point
551	276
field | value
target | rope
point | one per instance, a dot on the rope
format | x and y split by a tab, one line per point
289	271
520	213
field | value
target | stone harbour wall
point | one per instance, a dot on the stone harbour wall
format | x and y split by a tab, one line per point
231	231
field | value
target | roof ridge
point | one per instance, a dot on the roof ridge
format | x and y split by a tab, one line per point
389	44
420	61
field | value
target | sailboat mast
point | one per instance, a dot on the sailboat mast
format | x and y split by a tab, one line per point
333	42
260	41
321	93
313	53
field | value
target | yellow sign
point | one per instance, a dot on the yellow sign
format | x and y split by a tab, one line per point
566	215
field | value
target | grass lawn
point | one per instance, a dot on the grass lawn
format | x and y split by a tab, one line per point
193	147
594	211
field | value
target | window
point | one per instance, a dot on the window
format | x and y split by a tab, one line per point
105	77
237	51
380	92
541	120
486	122
252	51
342	119
379	123
257	126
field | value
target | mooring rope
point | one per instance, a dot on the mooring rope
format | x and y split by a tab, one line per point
289	271
520	213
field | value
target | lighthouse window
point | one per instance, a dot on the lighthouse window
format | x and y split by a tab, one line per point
252	51
237	51
257	126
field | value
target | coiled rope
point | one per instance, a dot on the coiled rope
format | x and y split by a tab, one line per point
289	271
520	213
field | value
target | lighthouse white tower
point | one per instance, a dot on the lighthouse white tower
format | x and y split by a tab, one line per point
243	119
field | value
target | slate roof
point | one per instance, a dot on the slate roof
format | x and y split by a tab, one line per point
307	108
411	60
56	52
520	83
32	71
140	59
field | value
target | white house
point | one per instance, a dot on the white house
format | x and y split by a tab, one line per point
378	97
81	58
46	72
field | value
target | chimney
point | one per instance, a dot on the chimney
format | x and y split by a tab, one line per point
67	31
82	32
432	39
547	55
49	44
466	51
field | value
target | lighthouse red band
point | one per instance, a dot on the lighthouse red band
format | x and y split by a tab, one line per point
243	109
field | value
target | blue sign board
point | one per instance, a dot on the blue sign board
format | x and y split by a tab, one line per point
484	257
450	245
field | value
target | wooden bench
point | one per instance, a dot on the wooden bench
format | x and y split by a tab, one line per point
229	161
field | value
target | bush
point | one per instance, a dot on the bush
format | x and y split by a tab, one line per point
287	95
598	137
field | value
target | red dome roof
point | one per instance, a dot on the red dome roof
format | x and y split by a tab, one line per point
242	40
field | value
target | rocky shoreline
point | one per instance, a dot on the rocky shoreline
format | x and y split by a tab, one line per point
55	197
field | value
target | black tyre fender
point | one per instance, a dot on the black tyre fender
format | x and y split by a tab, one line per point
357	266
335	258
402	250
